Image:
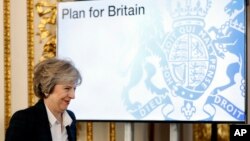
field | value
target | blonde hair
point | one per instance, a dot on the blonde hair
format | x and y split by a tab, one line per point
54	71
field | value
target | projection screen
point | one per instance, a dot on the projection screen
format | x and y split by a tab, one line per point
156	60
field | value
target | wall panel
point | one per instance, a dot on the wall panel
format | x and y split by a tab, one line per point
18	32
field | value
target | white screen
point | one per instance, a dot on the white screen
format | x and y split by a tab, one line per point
156	60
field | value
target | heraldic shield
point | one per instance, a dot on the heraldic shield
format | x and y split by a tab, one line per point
194	70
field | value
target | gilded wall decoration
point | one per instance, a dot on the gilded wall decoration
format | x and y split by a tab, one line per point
112	131
203	132
47	13
223	131
7	62
30	50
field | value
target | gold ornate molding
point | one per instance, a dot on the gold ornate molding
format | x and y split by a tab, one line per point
202	132
7	62
223	131
89	131
30	50
112	131
47	27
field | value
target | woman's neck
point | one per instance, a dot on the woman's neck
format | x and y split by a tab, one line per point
57	114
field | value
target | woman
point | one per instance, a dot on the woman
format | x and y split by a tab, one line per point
55	81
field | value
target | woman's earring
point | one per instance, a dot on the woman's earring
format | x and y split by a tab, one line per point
46	95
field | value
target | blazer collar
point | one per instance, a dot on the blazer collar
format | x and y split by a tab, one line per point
43	116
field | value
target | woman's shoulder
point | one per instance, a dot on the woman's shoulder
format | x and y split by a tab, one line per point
24	113
28	113
71	114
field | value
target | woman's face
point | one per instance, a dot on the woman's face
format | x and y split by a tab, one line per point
59	99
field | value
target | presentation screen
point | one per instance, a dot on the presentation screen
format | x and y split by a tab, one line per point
156	60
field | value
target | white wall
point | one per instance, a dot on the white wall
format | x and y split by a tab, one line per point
18	32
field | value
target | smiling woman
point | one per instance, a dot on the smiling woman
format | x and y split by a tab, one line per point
55	81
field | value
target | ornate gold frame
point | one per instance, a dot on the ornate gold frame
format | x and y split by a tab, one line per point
7	62
30	50
203	131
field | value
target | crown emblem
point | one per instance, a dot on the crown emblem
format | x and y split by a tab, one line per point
237	25
189	11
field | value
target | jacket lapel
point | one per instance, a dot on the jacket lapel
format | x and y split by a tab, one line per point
69	133
44	126
43	122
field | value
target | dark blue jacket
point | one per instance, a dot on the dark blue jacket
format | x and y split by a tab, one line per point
32	124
